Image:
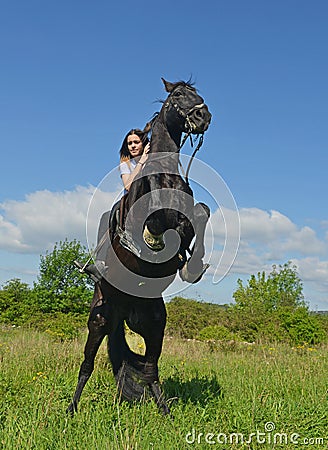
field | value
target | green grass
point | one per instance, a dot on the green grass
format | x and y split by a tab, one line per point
227	388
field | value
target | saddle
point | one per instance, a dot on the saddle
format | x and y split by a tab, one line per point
116	228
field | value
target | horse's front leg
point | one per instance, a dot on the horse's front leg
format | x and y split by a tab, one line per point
194	268
98	328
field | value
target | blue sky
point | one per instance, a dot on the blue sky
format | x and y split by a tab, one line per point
75	76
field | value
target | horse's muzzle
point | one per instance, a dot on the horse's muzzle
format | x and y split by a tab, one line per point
200	119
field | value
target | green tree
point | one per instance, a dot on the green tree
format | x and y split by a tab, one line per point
16	302
60	286
273	307
281	288
286	287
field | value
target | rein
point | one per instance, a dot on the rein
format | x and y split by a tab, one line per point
190	127
200	143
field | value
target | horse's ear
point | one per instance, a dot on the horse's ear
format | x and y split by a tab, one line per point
168	86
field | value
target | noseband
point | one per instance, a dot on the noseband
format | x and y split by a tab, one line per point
189	125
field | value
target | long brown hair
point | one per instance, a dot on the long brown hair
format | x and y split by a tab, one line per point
124	151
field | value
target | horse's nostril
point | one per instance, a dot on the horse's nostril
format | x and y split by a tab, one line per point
199	114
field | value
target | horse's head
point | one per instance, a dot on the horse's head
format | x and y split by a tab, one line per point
185	108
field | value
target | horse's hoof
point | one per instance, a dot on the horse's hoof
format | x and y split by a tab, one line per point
192	277
155	243
165	410
72	409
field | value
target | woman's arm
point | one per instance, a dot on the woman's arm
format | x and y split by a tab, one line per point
127	178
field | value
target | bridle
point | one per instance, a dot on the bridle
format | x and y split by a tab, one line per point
189	128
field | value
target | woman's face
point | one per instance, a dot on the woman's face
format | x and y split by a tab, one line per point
135	146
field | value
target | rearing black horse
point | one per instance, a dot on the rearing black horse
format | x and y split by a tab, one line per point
160	222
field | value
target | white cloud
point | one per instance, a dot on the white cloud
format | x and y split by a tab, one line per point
269	235
264	226
270	229
44	217
305	241
279	234
313	269
249	260
223	220
10	235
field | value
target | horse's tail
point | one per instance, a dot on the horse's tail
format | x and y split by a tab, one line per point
130	371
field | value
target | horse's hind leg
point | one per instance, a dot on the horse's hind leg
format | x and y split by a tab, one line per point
97	331
149	321
126	364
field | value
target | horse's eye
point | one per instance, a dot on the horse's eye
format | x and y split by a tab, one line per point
178	93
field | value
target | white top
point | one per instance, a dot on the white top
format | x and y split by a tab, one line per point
127	167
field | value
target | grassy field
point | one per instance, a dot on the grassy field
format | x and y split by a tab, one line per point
222	396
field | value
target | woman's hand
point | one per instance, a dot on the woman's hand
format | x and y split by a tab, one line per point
144	155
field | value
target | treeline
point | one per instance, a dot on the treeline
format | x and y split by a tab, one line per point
191	319
268	307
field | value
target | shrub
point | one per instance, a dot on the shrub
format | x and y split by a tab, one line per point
186	317
302	327
216	333
16	302
59	326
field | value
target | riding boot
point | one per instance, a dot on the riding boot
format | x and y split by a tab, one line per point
92	270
